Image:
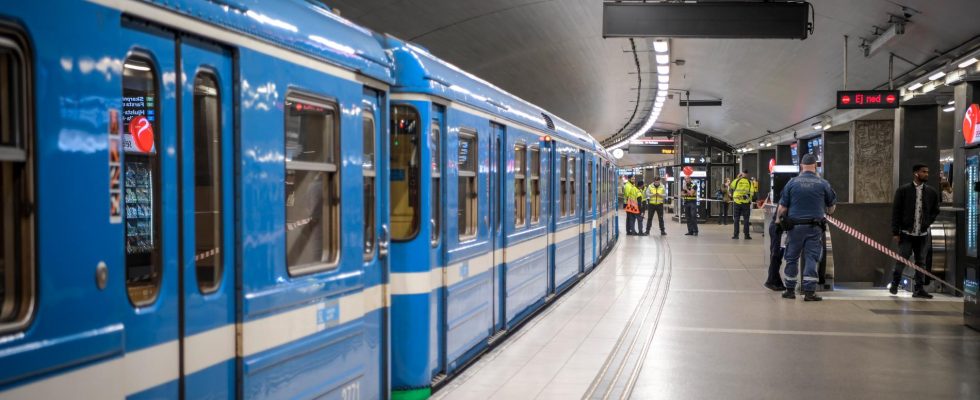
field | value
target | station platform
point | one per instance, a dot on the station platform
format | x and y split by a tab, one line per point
682	317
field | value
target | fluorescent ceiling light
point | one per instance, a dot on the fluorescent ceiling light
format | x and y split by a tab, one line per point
817	126
661	98
916	86
930	87
663	69
662	86
663	78
826	126
663	59
660	46
968	63
951	102
949	109
937	75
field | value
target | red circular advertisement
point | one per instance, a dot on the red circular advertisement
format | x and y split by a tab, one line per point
772	164
142	131
688	171
970	120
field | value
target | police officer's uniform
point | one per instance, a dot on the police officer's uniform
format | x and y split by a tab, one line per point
690	208
654	194
807	197
742	198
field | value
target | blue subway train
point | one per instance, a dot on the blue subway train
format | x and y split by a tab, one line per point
235	198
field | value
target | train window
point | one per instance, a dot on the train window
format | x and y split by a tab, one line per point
468	159
312	184
207	183
435	145
368	167
588	186
141	180
404	175
562	181
535	185
571	185
16	188
520	185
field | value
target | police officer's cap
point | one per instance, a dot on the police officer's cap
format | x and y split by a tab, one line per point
809	159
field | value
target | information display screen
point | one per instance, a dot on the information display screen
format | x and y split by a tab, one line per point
867	99
972	174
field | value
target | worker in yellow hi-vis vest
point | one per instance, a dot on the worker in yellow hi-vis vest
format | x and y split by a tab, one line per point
629	198
654	195
742	195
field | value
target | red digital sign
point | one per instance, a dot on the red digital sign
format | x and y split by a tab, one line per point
864	99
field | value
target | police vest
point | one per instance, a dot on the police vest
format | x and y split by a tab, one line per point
689	186
655	194
742	191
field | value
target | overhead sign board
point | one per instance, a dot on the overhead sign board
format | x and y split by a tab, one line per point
867	99
716	20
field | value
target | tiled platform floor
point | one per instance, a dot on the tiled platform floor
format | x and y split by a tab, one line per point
723	336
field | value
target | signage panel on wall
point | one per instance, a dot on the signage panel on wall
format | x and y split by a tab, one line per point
867	99
971	124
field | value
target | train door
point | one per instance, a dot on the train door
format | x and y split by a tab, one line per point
583	216
374	169
437	311
207	219
498	157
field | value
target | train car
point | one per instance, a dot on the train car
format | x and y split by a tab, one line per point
492	202
194	201
252	164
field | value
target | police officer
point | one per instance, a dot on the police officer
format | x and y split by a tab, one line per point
689	194
654	195
741	190
803	206
629	192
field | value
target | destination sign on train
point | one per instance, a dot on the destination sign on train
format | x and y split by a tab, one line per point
866	99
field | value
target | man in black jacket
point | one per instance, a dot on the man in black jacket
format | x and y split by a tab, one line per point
916	206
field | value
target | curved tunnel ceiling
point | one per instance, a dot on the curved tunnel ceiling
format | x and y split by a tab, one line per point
551	53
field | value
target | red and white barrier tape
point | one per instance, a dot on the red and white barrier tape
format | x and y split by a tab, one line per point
886	251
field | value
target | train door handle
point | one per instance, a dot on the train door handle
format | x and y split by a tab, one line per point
434	233
384	241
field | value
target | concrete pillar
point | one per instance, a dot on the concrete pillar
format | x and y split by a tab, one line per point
836	156
871	155
916	142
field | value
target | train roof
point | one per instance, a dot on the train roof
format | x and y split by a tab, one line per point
297	25
418	71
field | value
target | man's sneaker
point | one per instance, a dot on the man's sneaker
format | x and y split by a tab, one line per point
689	234
789	294
747	237
921	294
811	296
774	287
735	237
663	233
893	289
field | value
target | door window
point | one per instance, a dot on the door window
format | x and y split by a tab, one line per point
368	167
520	185
435	146
468	159
208	224
16	189
404	179
141	179
535	185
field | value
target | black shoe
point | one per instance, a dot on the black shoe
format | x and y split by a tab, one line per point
695	233
662	233
689	234
893	289
775	287
921	294
747	237
811	296
735	237
630	234
789	294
